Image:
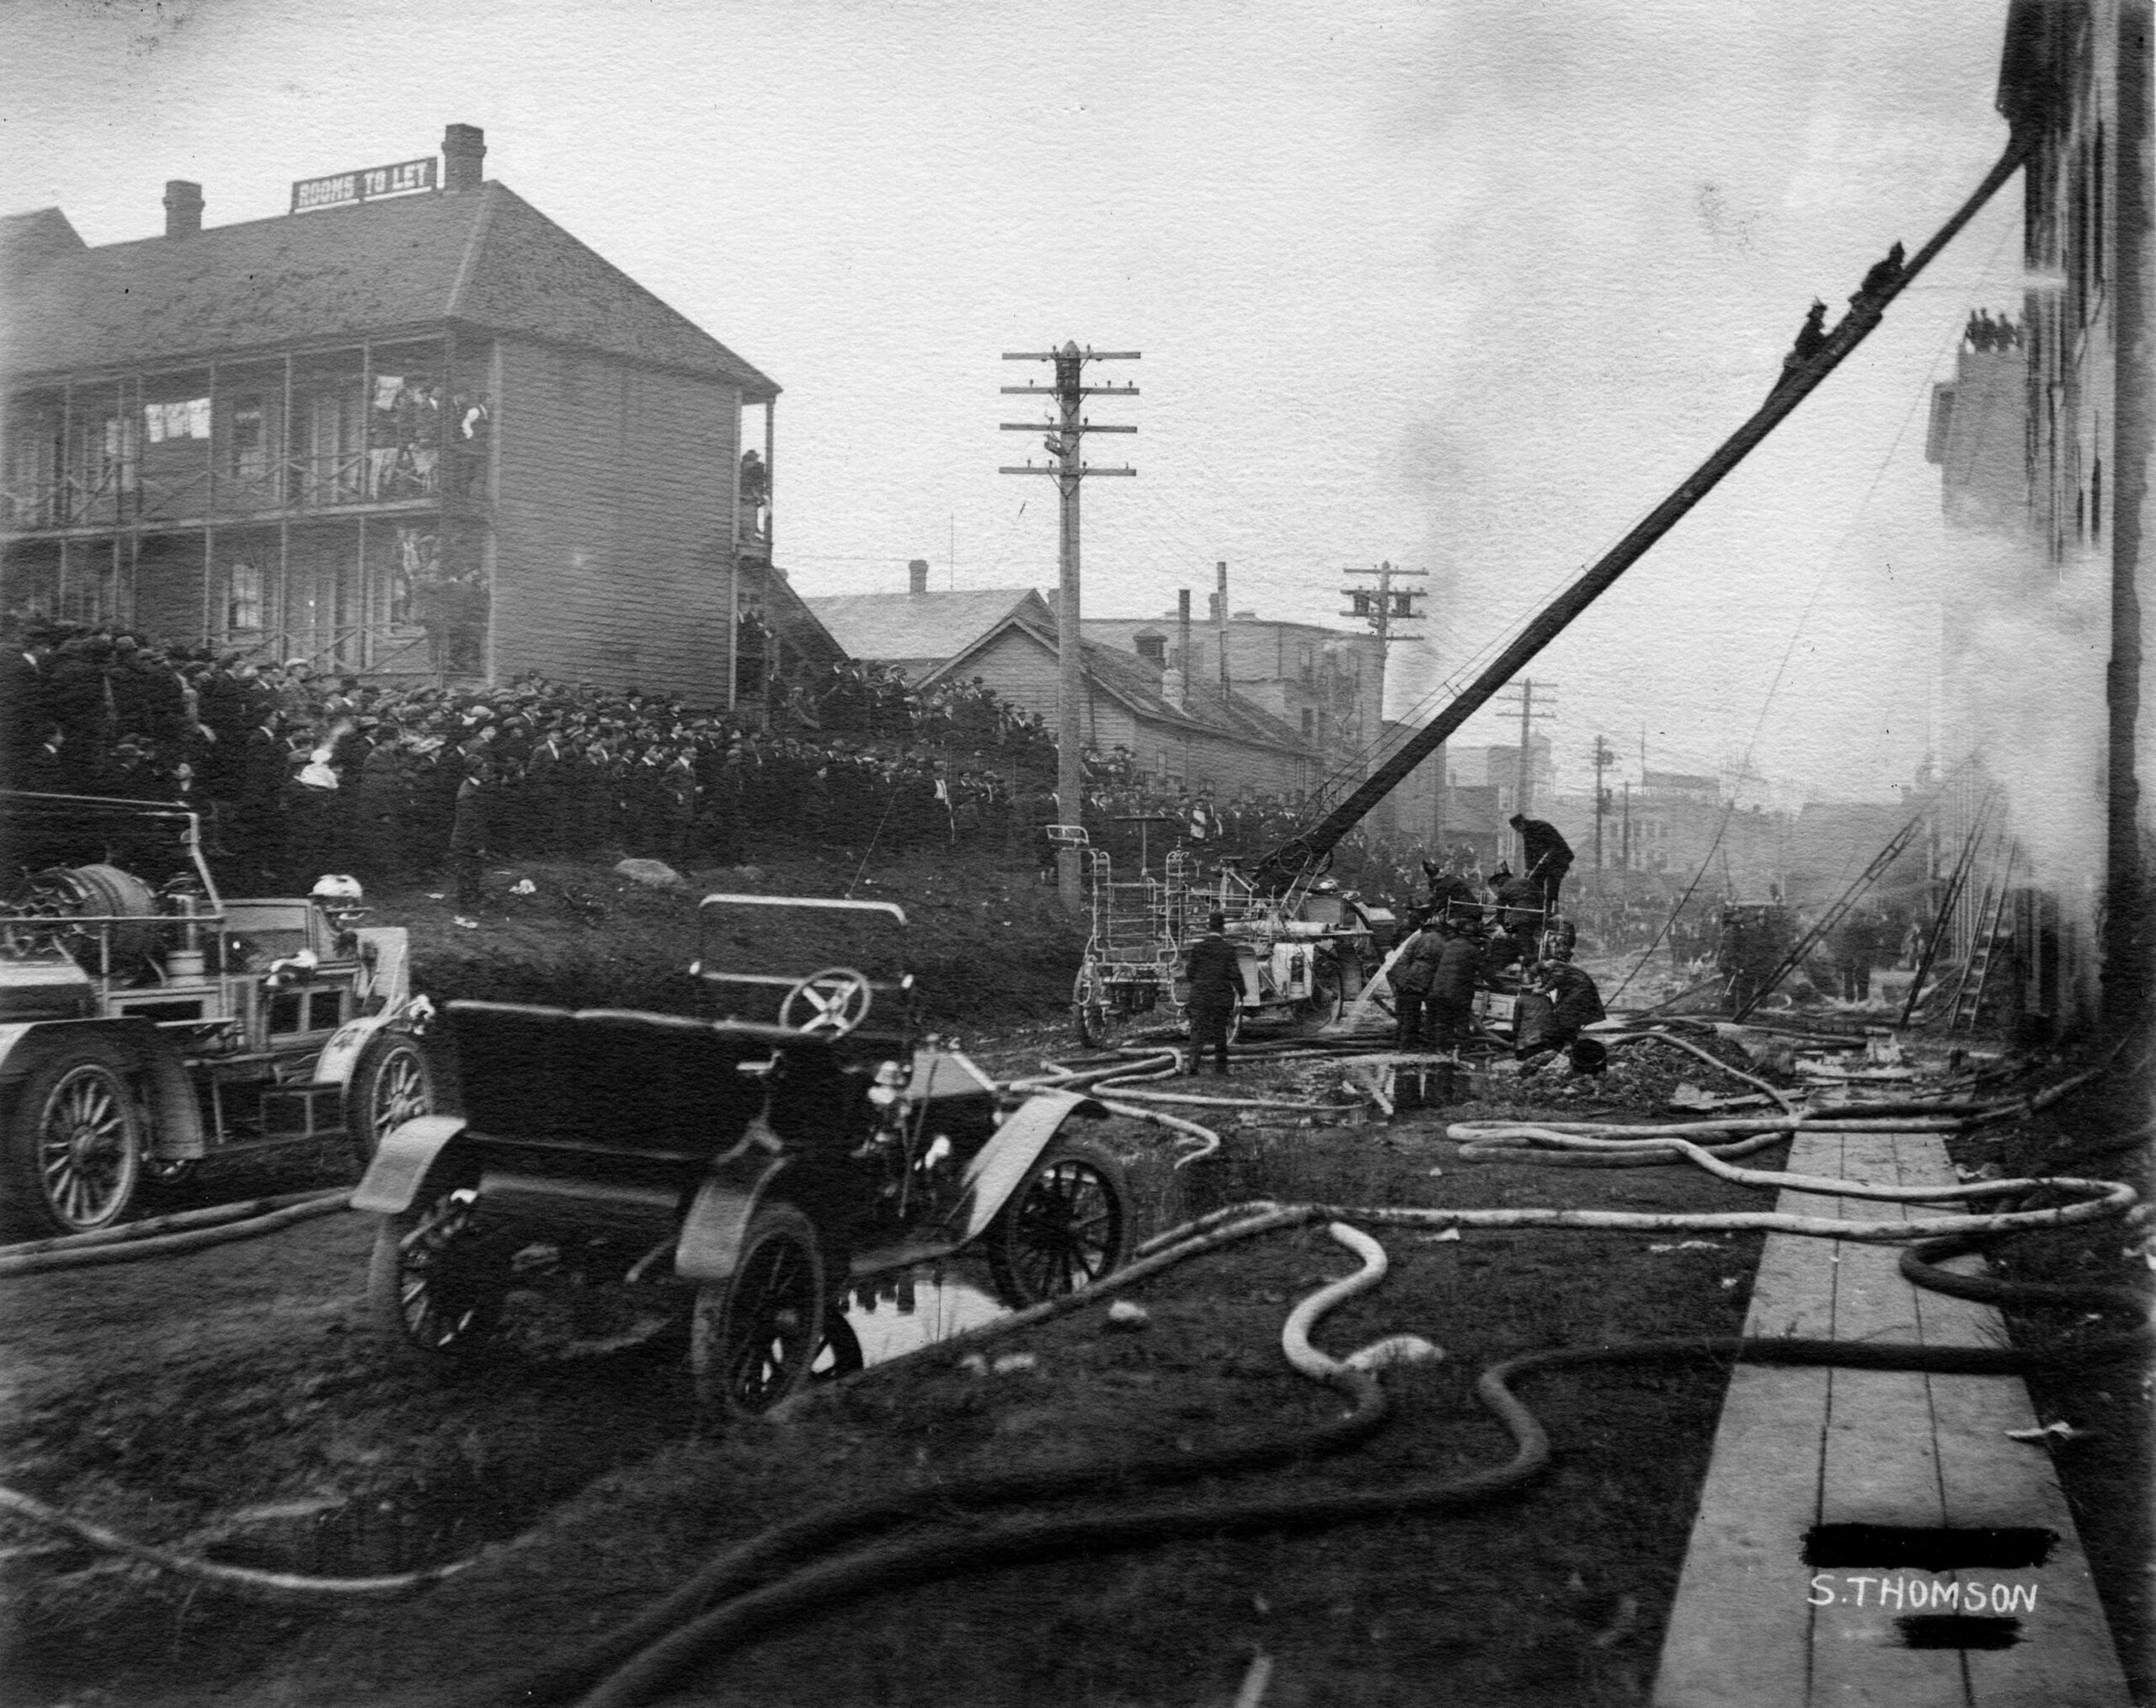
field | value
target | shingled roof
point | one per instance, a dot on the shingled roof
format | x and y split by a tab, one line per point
485	259
921	629
1125	677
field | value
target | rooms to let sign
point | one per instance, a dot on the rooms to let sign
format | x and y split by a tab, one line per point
340	187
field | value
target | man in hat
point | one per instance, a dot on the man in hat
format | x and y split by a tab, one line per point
1215	990
469	830
1412	969
1548	855
1450	1002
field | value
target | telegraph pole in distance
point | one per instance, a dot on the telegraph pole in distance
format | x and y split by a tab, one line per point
1604	759
1066	435
1384	606
1381	607
1523	793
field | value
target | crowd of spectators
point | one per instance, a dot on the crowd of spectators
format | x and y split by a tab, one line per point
299	771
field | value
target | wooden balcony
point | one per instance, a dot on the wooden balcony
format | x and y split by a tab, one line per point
126	496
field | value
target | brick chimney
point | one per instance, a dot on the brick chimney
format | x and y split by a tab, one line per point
463	156
182	208
917	575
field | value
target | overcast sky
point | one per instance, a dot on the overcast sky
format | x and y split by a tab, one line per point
1465	285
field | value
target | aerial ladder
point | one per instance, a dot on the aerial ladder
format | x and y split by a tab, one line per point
1957	883
1976	971
1304	857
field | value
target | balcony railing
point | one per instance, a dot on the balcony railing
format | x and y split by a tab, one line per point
127	494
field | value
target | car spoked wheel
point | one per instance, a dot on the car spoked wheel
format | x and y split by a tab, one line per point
391	1084
437	1281
1063	1228
758	1334
73	1148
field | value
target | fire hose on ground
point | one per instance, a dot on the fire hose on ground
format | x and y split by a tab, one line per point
725	1604
171	1235
914	1559
1940	1236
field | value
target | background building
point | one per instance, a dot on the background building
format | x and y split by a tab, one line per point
263	436
1179	736
919	630
1325	685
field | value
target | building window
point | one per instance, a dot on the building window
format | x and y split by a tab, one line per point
1306	663
243	597
187	420
1309	724
1152	646
115	453
249	459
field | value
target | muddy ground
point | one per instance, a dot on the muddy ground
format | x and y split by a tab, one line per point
159	1398
163	1398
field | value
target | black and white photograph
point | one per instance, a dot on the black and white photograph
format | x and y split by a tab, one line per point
1254	855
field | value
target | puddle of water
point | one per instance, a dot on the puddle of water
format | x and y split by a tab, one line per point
917	1308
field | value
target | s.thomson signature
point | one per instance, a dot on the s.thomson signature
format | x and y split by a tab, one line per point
1914	1594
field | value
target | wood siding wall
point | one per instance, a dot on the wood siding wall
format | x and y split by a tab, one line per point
614	523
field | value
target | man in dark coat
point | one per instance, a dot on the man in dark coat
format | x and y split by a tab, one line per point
1549	855
1451	998
1855	943
1411	974
1448	888
469	828
1215	987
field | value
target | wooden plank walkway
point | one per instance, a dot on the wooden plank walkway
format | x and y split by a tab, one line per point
1797	1447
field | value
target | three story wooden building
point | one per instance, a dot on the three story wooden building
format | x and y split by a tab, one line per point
412	426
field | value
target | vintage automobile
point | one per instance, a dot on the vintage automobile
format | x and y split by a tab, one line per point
147	1023
740	1173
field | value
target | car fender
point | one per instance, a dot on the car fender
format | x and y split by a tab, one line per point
710	1243
137	1046
341	1054
401	1165
1001	1165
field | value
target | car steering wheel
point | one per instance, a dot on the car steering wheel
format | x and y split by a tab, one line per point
839	997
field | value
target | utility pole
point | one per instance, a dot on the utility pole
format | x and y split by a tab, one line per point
1604	759
1066	435
1625	842
1383	606
1524	788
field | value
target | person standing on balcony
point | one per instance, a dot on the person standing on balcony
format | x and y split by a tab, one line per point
426	436
381	432
407	413
467	446
756	488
